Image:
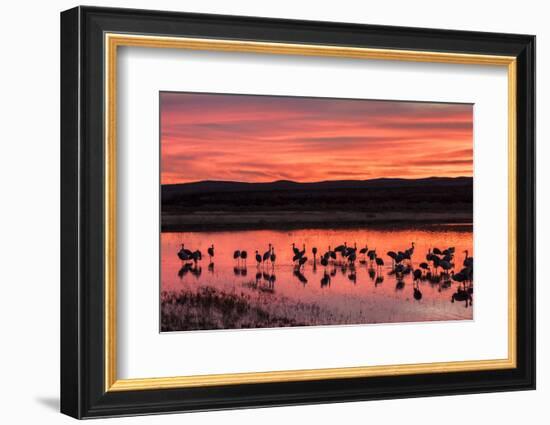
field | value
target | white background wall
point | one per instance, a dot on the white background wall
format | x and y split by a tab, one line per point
29	213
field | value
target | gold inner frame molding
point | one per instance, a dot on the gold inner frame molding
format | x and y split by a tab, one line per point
113	41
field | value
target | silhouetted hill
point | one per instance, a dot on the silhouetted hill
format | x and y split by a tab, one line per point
172	191
209	205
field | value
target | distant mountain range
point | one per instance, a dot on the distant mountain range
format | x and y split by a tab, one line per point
213	186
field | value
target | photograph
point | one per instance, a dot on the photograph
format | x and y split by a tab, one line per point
284	211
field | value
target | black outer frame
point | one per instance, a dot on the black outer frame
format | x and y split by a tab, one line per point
82	212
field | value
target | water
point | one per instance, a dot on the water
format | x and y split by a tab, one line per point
247	295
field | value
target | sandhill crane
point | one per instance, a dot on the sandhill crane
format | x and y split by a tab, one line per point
314	251
258	258
196	256
211	252
243	256
447	257
372	255
468	261
363	251
331	253
267	254
393	256
460	277
273	257
340	248
184	254
350	250
399	269
446	266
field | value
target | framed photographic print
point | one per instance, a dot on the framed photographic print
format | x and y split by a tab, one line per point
261	212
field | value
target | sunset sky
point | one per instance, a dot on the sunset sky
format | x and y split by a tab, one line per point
266	138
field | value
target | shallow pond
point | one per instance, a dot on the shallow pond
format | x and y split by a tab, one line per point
313	294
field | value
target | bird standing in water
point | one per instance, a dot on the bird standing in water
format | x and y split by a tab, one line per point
273	257
211	252
267	254
184	254
258	258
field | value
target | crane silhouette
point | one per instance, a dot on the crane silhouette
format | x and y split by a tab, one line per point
258	258
211	252
243	256
267	254
273	257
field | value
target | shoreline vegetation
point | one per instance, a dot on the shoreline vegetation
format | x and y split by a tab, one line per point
218	205
208	308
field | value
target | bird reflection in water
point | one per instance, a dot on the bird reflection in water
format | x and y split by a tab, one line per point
299	275
463	294
352	277
436	271
240	270
192	268
264	282
372	273
325	280
417	294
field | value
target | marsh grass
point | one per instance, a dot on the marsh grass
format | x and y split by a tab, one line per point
207	308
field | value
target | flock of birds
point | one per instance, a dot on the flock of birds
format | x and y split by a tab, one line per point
439	266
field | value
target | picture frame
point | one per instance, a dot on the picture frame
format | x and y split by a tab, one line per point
90	40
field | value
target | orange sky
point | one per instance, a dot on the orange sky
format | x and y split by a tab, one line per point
267	138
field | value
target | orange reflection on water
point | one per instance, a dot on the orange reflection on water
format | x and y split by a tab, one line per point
340	294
